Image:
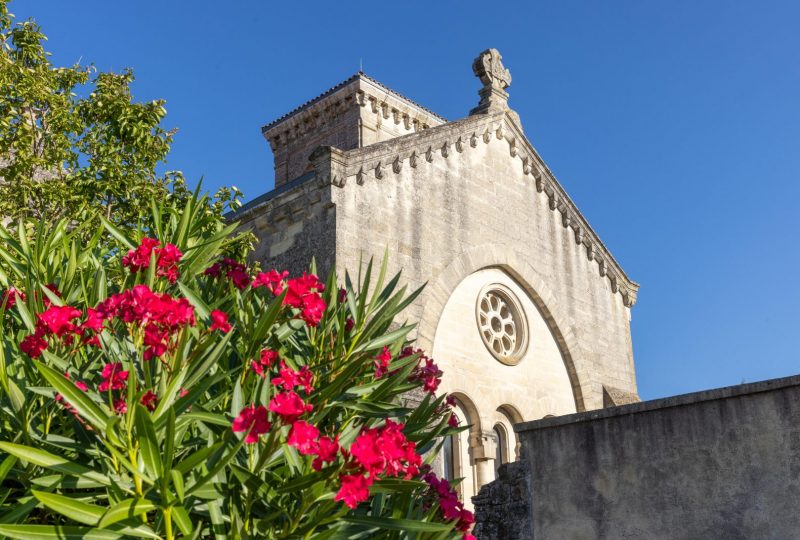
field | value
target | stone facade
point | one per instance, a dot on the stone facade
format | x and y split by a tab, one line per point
459	206
716	464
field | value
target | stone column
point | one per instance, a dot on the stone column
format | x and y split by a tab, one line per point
483	450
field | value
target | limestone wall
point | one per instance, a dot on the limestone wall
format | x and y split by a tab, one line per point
459	198
718	464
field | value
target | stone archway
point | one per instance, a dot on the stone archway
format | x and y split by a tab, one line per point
505	258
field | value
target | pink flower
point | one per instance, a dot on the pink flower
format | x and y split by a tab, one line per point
355	489
290	378
33	345
303	436
387	451
349	324
139	259
268	357
426	371
382	362
113	377
451	508
238	277
214	270
300	287
219	321
167	263
254	421
289	406
149	400
327	449
303	293
10	297
272	280
313	309
120	406
58	319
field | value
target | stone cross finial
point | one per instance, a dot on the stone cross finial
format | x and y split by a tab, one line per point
489	68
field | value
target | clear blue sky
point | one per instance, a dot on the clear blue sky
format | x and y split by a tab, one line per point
675	127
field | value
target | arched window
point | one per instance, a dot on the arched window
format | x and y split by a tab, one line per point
449	455
501	448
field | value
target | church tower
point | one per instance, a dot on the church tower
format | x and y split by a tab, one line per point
526	310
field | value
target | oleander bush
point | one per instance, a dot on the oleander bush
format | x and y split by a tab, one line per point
152	385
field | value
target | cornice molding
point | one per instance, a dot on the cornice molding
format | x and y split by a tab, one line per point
359	90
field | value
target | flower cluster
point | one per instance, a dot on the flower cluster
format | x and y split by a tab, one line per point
452	508
382	362
303	293
235	271
115	379
59	321
377	452
273	281
166	257
9	297
267	358
426	371
159	314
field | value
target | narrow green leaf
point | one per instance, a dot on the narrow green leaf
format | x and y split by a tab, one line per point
87	408
182	519
148	442
407	525
44	532
123	510
79	511
51	461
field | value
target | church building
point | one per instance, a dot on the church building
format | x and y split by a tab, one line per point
525	309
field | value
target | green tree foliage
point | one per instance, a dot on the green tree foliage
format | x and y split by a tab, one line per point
73	138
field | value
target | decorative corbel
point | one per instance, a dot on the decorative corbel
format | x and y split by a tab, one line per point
473	140
397	165
360	176
487	136
459	145
412	159
379	171
445	148
429	154
578	235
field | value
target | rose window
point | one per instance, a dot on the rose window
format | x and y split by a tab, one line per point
501	323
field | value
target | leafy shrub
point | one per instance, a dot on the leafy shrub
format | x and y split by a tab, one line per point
155	386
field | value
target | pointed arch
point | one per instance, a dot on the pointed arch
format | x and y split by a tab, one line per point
518	267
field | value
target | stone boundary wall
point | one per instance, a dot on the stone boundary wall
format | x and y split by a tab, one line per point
722	463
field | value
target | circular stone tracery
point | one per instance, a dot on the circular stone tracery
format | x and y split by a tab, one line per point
501	323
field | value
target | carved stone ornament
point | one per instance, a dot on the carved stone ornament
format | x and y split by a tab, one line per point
502	323
489	68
